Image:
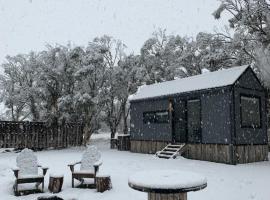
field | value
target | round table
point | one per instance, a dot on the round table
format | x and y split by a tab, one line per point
167	184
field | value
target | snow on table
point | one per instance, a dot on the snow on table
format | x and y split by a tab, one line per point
166	180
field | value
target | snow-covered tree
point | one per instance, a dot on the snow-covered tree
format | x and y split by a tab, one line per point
90	78
251	20
19	87
160	56
129	78
112	52
219	50
30	77
11	87
53	64
251	23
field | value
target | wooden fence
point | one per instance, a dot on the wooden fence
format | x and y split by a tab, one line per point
37	135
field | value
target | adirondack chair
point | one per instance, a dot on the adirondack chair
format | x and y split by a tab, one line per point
90	162
27	172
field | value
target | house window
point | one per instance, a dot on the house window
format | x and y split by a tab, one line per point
162	117
250	111
194	120
149	117
157	117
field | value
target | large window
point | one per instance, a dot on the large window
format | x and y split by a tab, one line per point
250	111
194	120
156	117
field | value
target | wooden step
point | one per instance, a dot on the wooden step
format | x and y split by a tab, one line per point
163	156
171	151
166	153
174	145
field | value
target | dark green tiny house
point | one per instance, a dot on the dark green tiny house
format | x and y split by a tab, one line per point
220	116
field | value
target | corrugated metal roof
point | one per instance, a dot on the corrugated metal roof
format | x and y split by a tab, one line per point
207	80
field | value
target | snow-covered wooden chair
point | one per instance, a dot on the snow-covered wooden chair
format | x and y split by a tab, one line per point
90	162
27	172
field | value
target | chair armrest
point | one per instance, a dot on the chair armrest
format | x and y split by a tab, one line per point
16	171
44	169
96	166
98	163
71	166
75	163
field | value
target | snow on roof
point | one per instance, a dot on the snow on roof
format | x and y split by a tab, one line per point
208	80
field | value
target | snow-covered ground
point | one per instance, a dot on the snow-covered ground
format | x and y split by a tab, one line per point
241	182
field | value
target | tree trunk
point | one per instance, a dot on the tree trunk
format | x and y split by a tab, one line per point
125	128
33	108
86	134
268	105
113	131
12	113
125	113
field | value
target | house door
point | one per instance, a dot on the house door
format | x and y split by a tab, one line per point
179	122
194	120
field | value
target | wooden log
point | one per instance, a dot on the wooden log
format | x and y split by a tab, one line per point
55	184
103	183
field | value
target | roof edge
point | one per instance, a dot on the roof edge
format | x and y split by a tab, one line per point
177	94
205	89
248	67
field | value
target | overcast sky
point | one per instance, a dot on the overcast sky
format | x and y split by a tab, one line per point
27	25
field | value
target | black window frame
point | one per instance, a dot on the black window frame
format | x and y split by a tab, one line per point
155	118
187	123
260	111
